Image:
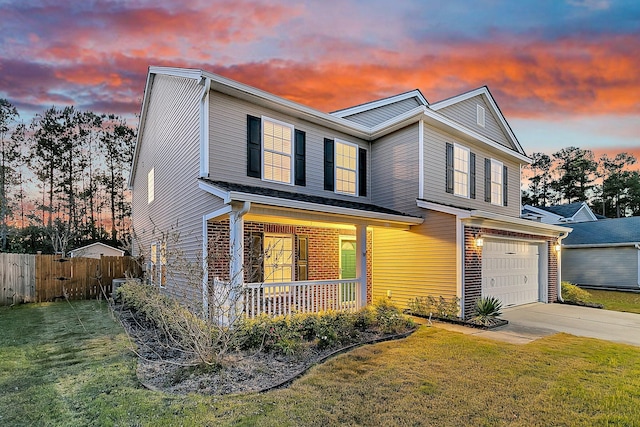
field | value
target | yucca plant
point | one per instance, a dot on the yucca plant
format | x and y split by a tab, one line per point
487	311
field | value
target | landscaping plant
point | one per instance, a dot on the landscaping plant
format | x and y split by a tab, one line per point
441	307
487	311
574	294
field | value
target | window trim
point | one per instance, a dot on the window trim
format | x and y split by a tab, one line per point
151	186
356	171
467	173
292	155
499	170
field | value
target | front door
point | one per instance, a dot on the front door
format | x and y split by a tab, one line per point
347	269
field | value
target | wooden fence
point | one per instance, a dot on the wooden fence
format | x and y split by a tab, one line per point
37	278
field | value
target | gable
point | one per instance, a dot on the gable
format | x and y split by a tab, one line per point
381	114
465	113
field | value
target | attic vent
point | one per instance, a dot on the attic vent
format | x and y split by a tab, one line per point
480	115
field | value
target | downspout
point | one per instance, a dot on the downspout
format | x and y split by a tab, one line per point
560	238
204	127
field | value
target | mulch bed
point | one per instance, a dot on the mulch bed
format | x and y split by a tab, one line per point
161	368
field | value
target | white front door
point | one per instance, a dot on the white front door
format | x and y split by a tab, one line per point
510	271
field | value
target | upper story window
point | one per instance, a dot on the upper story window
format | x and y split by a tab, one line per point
346	167
496	176
275	151
480	115
496	182
150	186
460	171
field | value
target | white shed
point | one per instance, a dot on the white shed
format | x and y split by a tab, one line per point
96	250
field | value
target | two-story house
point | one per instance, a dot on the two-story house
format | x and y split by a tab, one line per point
305	211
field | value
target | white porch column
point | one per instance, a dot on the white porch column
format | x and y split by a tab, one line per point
236	257
361	263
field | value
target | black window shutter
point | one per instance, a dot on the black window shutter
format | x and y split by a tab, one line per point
487	180
362	172
300	161
254	147
256	253
472	175
449	173
505	186
328	164
302	261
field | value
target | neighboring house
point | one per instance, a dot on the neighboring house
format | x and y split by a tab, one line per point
396	198
560	214
96	250
603	254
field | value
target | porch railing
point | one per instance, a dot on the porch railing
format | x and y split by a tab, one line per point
277	299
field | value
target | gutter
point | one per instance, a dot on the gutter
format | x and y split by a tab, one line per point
562	235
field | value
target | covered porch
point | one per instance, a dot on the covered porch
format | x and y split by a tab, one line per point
274	256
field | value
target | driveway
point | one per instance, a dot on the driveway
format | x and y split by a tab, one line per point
532	321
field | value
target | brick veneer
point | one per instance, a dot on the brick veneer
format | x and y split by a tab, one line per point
473	263
323	250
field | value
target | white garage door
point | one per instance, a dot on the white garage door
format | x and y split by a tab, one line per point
510	271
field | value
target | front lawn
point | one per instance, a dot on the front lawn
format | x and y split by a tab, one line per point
69	365
615	300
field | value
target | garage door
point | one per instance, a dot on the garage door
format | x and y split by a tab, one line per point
510	271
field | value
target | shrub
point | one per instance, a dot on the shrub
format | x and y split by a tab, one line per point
441	307
573	293
487	311
389	318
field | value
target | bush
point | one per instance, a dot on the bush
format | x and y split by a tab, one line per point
487	311
441	307
574	294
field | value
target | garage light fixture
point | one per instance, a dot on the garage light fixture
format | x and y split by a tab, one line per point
479	241
558	247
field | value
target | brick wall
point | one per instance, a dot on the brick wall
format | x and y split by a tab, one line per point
473	263
323	250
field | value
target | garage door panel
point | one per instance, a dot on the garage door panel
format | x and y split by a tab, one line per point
510	271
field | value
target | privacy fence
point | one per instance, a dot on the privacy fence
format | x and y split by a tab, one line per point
38	278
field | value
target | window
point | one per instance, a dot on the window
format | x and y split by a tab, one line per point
460	171
496	182
278	258
153	263
150	186
277	151
346	167
480	115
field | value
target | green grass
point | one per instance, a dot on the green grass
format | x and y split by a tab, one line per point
54	372
618	301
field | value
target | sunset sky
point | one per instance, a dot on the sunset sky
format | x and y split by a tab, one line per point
564	72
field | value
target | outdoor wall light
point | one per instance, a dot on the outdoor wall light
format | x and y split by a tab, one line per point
479	241
558	247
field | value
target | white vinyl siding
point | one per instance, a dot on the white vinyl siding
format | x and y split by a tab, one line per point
460	171
435	142
277	151
466	113
346	169
228	146
394	162
171	145
496	182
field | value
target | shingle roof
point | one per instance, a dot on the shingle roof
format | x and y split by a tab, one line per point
615	230
565	211
241	188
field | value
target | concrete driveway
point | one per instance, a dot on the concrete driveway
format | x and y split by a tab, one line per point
531	321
